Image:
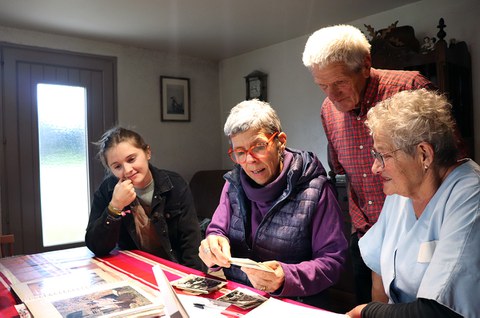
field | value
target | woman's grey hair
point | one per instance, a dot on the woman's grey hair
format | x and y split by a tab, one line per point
336	44
252	114
411	117
113	137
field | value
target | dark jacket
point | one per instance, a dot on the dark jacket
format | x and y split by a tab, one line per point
173	214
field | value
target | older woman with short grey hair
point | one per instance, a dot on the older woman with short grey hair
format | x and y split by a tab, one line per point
424	248
278	208
253	114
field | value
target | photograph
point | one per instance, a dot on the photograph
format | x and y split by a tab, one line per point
198	284
246	262
243	298
76	280
121	299
175	98
101	303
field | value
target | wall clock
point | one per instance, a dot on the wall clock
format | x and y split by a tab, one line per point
256	85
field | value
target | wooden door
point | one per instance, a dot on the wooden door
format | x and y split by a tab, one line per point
23	69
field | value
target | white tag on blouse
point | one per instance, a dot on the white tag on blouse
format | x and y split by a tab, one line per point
426	251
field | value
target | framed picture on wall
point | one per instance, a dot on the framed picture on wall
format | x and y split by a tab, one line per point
174	98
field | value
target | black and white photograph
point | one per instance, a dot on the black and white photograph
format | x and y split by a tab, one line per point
246	262
243	298
175	98
198	284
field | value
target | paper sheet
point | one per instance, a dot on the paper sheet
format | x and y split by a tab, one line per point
209	311
280	309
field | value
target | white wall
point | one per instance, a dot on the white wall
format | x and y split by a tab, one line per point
184	147
297	100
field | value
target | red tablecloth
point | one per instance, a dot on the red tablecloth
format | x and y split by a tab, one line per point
135	264
7	303
138	265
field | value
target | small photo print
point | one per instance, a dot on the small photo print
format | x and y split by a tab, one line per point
246	262
198	284
243	298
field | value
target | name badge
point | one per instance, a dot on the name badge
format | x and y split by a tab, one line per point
426	251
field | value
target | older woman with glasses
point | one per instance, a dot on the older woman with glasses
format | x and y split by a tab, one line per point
424	249
277	207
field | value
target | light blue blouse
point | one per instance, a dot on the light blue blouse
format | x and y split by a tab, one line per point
437	256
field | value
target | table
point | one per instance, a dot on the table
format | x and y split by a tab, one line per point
135	264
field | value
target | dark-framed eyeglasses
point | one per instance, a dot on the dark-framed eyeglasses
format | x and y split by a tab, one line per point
381	156
259	150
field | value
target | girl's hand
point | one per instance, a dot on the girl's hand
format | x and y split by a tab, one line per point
123	194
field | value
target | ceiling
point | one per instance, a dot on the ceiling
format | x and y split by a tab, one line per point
212	29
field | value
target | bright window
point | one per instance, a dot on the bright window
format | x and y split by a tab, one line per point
62	137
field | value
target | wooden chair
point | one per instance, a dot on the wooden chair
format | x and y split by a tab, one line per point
6	244
206	187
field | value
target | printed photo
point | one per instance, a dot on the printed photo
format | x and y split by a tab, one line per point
243	298
198	284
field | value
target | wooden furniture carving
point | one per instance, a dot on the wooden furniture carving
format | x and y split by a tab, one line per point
6	244
448	65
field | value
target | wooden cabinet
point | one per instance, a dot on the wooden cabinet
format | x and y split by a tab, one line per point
448	65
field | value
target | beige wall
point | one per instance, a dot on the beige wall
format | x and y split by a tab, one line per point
295	97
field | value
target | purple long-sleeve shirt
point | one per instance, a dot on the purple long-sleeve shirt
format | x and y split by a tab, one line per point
328	241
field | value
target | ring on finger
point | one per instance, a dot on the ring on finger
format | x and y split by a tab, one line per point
206	250
263	288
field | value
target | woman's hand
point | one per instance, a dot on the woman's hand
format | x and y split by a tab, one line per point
266	281
215	250
356	312
123	194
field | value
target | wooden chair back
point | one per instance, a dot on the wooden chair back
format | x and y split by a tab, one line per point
6	244
206	187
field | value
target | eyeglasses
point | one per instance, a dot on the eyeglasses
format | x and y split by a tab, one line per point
381	156
259	150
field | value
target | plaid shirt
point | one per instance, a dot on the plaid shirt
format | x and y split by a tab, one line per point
349	143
